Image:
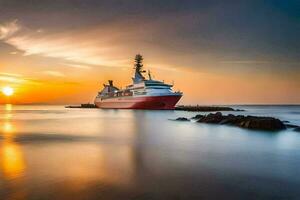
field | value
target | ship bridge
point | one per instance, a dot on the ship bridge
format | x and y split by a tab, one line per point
156	84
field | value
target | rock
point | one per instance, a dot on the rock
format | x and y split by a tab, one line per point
291	126
182	119
198	116
249	122
231	119
262	123
212	118
297	129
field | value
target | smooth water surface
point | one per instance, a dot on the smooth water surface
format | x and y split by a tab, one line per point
49	152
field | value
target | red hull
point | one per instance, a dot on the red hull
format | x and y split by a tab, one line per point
151	102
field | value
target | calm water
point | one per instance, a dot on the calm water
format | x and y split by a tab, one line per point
49	152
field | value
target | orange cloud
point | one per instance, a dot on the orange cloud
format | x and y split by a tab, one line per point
54	73
88	47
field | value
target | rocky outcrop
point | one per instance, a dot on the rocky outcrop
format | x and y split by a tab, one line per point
198	116
249	122
291	126
182	119
212	118
297	129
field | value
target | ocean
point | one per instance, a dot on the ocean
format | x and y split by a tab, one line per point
50	152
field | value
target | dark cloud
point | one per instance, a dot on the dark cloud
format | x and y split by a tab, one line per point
226	30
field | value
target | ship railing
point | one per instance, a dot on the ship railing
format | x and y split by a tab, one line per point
117	94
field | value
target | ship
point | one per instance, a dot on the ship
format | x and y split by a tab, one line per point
143	93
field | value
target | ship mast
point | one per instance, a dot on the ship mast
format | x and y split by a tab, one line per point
138	66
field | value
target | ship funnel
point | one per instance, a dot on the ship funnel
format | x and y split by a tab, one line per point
110	82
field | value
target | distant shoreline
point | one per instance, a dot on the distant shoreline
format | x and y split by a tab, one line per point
204	105
84	105
199	108
196	108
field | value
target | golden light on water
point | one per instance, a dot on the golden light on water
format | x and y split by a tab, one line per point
7	127
12	160
8	91
12	163
8	107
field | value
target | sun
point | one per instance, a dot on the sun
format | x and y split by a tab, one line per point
7	91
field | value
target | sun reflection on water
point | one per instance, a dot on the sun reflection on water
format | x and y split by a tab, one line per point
8	130
11	157
12	160
8	107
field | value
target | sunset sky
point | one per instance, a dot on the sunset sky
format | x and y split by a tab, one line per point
216	52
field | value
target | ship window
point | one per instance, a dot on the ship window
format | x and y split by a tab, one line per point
157	84
158	88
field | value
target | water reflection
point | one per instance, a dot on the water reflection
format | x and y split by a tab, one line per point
11	156
12	160
8	107
7	128
8	111
123	154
